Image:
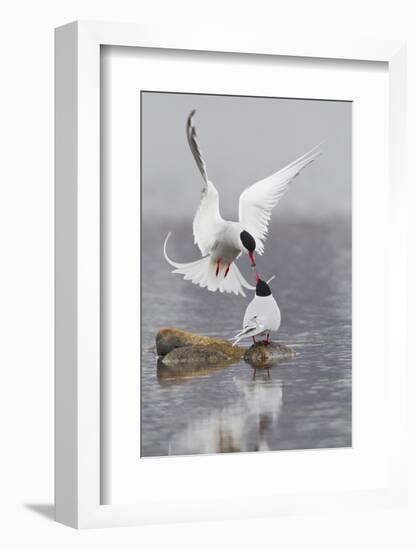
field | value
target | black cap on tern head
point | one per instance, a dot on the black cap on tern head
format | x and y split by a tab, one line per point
248	241
262	288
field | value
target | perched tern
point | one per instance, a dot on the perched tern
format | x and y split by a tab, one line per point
221	241
262	316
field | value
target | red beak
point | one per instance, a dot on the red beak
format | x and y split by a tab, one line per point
252	259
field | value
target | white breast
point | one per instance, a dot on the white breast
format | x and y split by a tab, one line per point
227	245
267	311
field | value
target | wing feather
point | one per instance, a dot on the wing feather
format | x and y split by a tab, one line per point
195	147
257	201
207	217
252	328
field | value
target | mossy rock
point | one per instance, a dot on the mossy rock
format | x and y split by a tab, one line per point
204	355
169	339
262	355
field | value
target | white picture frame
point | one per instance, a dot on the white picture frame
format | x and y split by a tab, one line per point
77	69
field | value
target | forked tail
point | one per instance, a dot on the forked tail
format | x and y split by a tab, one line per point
203	273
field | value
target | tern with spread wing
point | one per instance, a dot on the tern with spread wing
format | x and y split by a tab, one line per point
221	241
262	316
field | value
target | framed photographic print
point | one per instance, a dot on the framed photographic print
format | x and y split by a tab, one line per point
227	213
219	405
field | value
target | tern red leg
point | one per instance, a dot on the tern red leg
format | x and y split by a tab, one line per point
254	339
227	271
218	267
266	342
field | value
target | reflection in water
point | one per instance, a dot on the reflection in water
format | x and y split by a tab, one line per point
178	373
244	426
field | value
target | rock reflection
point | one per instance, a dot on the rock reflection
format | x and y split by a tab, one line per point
247	425
178	373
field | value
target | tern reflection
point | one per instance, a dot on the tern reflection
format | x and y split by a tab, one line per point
245	426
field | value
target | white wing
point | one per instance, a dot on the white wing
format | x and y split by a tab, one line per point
207	219
207	216
252	328
257	201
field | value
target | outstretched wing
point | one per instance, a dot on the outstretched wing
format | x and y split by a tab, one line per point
194	146
207	216
257	201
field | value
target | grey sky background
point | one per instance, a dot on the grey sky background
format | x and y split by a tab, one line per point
244	139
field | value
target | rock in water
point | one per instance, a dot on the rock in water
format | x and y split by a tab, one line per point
169	339
261	355
194	354
197	354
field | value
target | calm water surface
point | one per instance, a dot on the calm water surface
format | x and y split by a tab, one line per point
303	403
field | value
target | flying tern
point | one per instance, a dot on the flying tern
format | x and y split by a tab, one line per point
222	241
